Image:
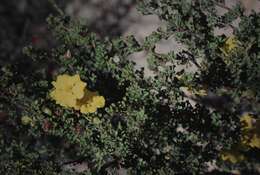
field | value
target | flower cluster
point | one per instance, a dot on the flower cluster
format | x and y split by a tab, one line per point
71	92
250	138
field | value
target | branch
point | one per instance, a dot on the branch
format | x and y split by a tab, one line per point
223	6
54	4
73	161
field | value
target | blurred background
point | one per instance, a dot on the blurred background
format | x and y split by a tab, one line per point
24	22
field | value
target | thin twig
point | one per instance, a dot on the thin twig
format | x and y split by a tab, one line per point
54	4
223	6
73	161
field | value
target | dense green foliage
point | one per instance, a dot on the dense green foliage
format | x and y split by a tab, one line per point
148	125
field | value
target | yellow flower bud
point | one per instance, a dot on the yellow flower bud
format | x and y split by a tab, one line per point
96	120
26	120
47	111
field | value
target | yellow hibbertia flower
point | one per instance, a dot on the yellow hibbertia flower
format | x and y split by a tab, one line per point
70	91
199	92
67	90
250	131
230	44
246	122
255	141
26	120
232	156
250	138
90	102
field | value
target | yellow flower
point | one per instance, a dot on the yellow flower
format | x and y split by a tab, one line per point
67	89
88	108
98	101
78	90
250	131
26	120
63	98
250	138
66	82
200	92
230	44
71	92
246	122
90	102
233	156
255	141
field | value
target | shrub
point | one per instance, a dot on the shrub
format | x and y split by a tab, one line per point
149	125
